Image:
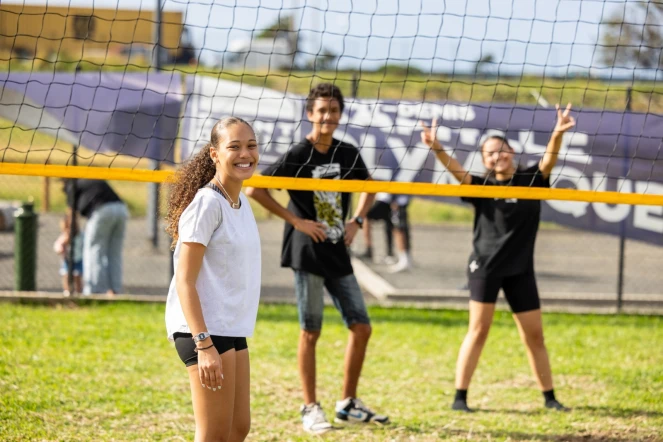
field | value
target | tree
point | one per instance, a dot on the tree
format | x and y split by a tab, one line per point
632	37
325	60
485	60
283	28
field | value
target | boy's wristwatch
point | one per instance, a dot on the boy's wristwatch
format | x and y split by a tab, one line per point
359	220
200	337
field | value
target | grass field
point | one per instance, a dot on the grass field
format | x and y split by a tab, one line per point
106	372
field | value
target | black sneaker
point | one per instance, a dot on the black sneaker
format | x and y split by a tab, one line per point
353	411
461	405
554	404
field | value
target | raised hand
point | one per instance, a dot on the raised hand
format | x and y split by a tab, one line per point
429	135
564	120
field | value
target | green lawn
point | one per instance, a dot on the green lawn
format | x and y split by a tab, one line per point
106	372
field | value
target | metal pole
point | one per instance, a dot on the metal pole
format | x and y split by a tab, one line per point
355	85
622	225
153	188
73	224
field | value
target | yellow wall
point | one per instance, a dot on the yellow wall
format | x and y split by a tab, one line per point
48	30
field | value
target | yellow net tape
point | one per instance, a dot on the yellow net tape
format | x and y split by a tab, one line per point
425	189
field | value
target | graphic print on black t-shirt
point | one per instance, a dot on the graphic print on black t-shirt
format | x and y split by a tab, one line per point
328	205
328	258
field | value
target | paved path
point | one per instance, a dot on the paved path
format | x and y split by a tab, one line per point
575	269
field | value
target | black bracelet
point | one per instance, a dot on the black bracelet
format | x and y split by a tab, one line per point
203	348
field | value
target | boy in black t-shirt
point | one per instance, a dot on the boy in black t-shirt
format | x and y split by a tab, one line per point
503	253
315	245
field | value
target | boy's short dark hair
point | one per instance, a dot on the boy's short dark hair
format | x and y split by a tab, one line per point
324	90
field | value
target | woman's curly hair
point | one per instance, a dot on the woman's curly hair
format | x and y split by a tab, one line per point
193	175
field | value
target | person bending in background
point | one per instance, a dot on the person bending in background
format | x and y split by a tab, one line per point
315	246
62	247
104	234
503	253
213	297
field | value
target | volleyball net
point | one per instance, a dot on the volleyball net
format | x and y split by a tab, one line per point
81	95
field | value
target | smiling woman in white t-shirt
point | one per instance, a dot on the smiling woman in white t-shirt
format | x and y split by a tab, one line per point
213	297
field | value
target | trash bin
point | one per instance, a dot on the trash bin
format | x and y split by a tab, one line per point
25	247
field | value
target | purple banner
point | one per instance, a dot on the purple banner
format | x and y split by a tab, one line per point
606	151
134	114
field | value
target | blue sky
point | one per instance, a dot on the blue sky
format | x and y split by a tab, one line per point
555	37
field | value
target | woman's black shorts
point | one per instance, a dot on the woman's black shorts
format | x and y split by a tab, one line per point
520	291
185	346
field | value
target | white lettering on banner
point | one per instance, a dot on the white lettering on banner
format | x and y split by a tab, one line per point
368	153
573	154
567	173
526	139
576	155
264	131
409	160
469	136
648	217
368	115
286	135
457	113
426	111
390	108
440	173
406	126
474	164
610	212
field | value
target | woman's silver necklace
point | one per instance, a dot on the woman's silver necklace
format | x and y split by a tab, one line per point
234	205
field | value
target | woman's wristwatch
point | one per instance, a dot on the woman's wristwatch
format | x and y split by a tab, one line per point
200	337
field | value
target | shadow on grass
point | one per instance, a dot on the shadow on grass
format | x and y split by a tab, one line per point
619	412
378	315
515	435
509	411
596	411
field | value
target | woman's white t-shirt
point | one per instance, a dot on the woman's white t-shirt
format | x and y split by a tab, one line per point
228	284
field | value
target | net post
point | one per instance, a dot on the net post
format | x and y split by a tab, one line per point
153	188
73	223
355	85
622	225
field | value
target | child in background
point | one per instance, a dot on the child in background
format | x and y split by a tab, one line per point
61	247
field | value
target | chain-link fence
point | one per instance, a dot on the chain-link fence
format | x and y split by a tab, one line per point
575	266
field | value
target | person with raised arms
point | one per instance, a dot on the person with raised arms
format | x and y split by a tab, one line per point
502	255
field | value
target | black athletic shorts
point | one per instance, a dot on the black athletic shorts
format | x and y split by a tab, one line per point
185	345
379	211
519	290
